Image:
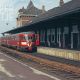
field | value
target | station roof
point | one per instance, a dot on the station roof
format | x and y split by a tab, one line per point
67	8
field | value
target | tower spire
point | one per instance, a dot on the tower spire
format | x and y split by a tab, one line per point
61	2
30	4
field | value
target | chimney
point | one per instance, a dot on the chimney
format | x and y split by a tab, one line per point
61	2
43	9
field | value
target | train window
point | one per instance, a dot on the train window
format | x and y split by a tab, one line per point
31	38
12	37
36	37
26	37
22	38
9	37
17	38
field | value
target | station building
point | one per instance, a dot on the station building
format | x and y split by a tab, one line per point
58	27
25	15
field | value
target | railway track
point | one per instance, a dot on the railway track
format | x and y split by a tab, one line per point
57	59
70	72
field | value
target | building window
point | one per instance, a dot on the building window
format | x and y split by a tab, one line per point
42	36
52	35
66	30
75	28
49	35
58	35
37	32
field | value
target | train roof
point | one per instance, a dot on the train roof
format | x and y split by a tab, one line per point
30	32
26	32
18	34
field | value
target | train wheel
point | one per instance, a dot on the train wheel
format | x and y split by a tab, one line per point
18	48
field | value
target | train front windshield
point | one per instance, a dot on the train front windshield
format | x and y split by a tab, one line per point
30	38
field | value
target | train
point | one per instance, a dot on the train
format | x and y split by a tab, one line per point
21	41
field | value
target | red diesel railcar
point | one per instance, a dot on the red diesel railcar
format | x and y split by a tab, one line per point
22	41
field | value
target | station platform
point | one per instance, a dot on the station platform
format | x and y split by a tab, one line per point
12	69
62	53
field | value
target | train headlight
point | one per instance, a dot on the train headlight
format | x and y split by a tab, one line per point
29	44
23	43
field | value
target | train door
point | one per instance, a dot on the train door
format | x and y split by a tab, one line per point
37	39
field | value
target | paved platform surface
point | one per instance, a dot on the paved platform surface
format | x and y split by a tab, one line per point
11	69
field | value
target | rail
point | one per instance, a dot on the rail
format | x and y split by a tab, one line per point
52	64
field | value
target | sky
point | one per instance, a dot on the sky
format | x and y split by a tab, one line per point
9	10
